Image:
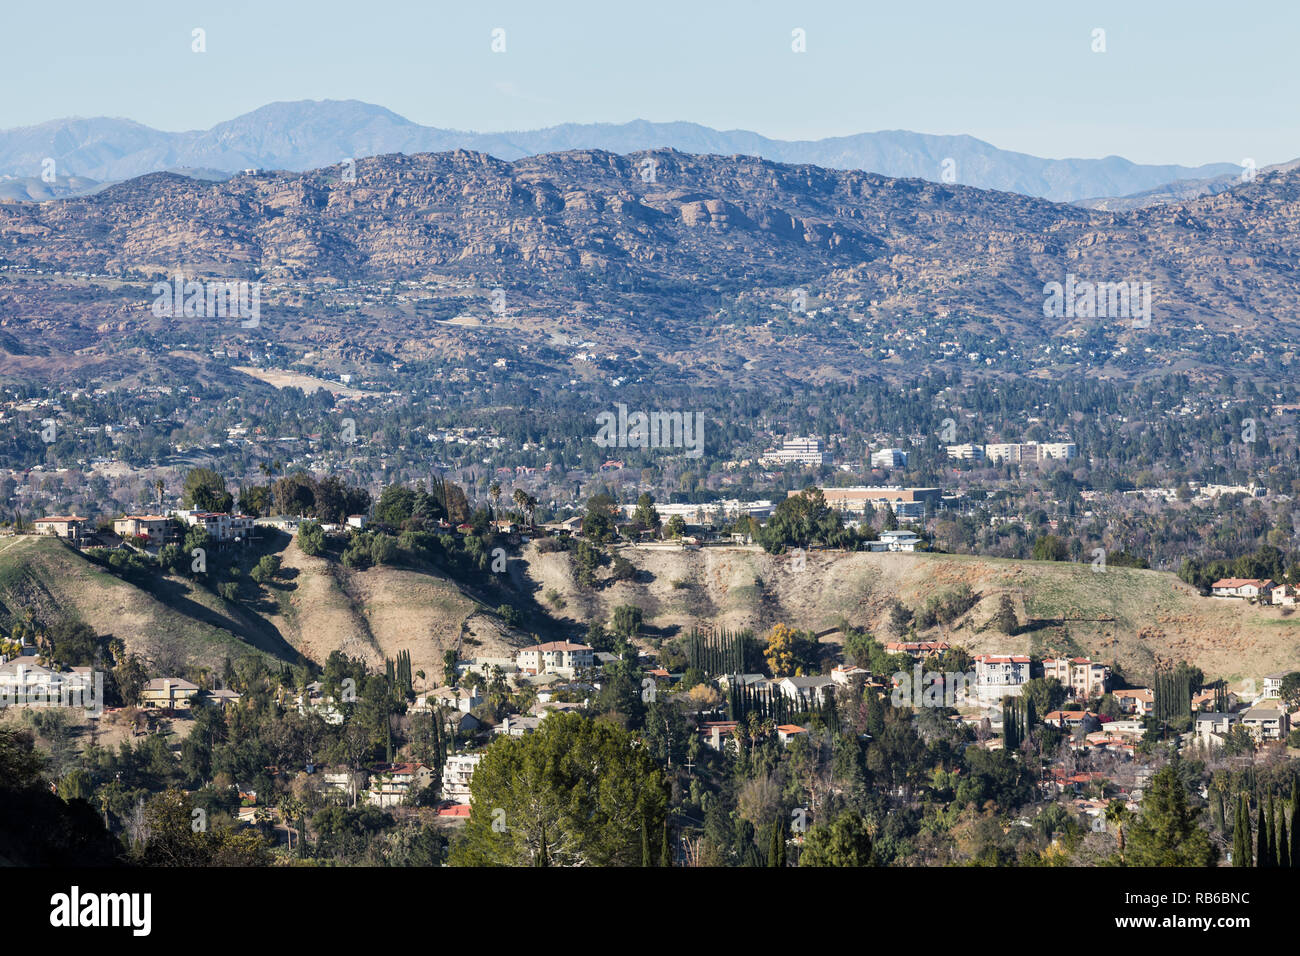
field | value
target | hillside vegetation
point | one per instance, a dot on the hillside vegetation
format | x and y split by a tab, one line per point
1136	618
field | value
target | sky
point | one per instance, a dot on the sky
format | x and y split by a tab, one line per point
1178	82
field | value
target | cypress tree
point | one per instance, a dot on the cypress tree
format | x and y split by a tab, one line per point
645	845
666	851
1283	843
1272	831
1295	819
1241	834
776	851
1261	839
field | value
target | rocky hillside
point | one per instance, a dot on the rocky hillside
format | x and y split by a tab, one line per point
584	227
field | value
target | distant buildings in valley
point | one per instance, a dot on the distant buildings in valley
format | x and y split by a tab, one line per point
1015	452
904	502
796	451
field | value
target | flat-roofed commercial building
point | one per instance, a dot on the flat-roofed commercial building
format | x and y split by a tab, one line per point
905	502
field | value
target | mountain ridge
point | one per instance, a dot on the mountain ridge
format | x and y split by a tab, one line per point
307	134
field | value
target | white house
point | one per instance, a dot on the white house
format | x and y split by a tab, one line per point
1000	675
806	689
1267	723
457	774
896	541
1245	588
555	657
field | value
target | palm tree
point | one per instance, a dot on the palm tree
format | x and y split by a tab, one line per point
1118	814
494	493
520	498
530	506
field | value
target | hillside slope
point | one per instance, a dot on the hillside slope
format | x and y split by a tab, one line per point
375	613
181	624
1132	617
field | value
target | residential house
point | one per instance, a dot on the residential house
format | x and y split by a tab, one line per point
168	693
1205	700
917	650
1069	719
788	732
895	541
68	527
555	657
391	784
1273	683
220	526
806	689
461	699
457	774
1139	701
1000	675
1082	676
717	733
846	674
223	698
1267	723
1254	589
156	529
1212	726
517	726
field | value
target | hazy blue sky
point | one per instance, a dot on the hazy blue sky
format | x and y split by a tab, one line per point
1187	82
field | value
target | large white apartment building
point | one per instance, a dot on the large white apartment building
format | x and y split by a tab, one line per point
1016	452
797	451
889	458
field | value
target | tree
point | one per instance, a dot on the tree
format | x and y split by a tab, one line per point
579	791
627	621
1118	816
311	538
1290	691
789	652
1241	855
1049	547
1005	619
1166	832
845	842
598	522
676	526
205	490
645	514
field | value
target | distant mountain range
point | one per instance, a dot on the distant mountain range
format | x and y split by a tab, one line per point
311	134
